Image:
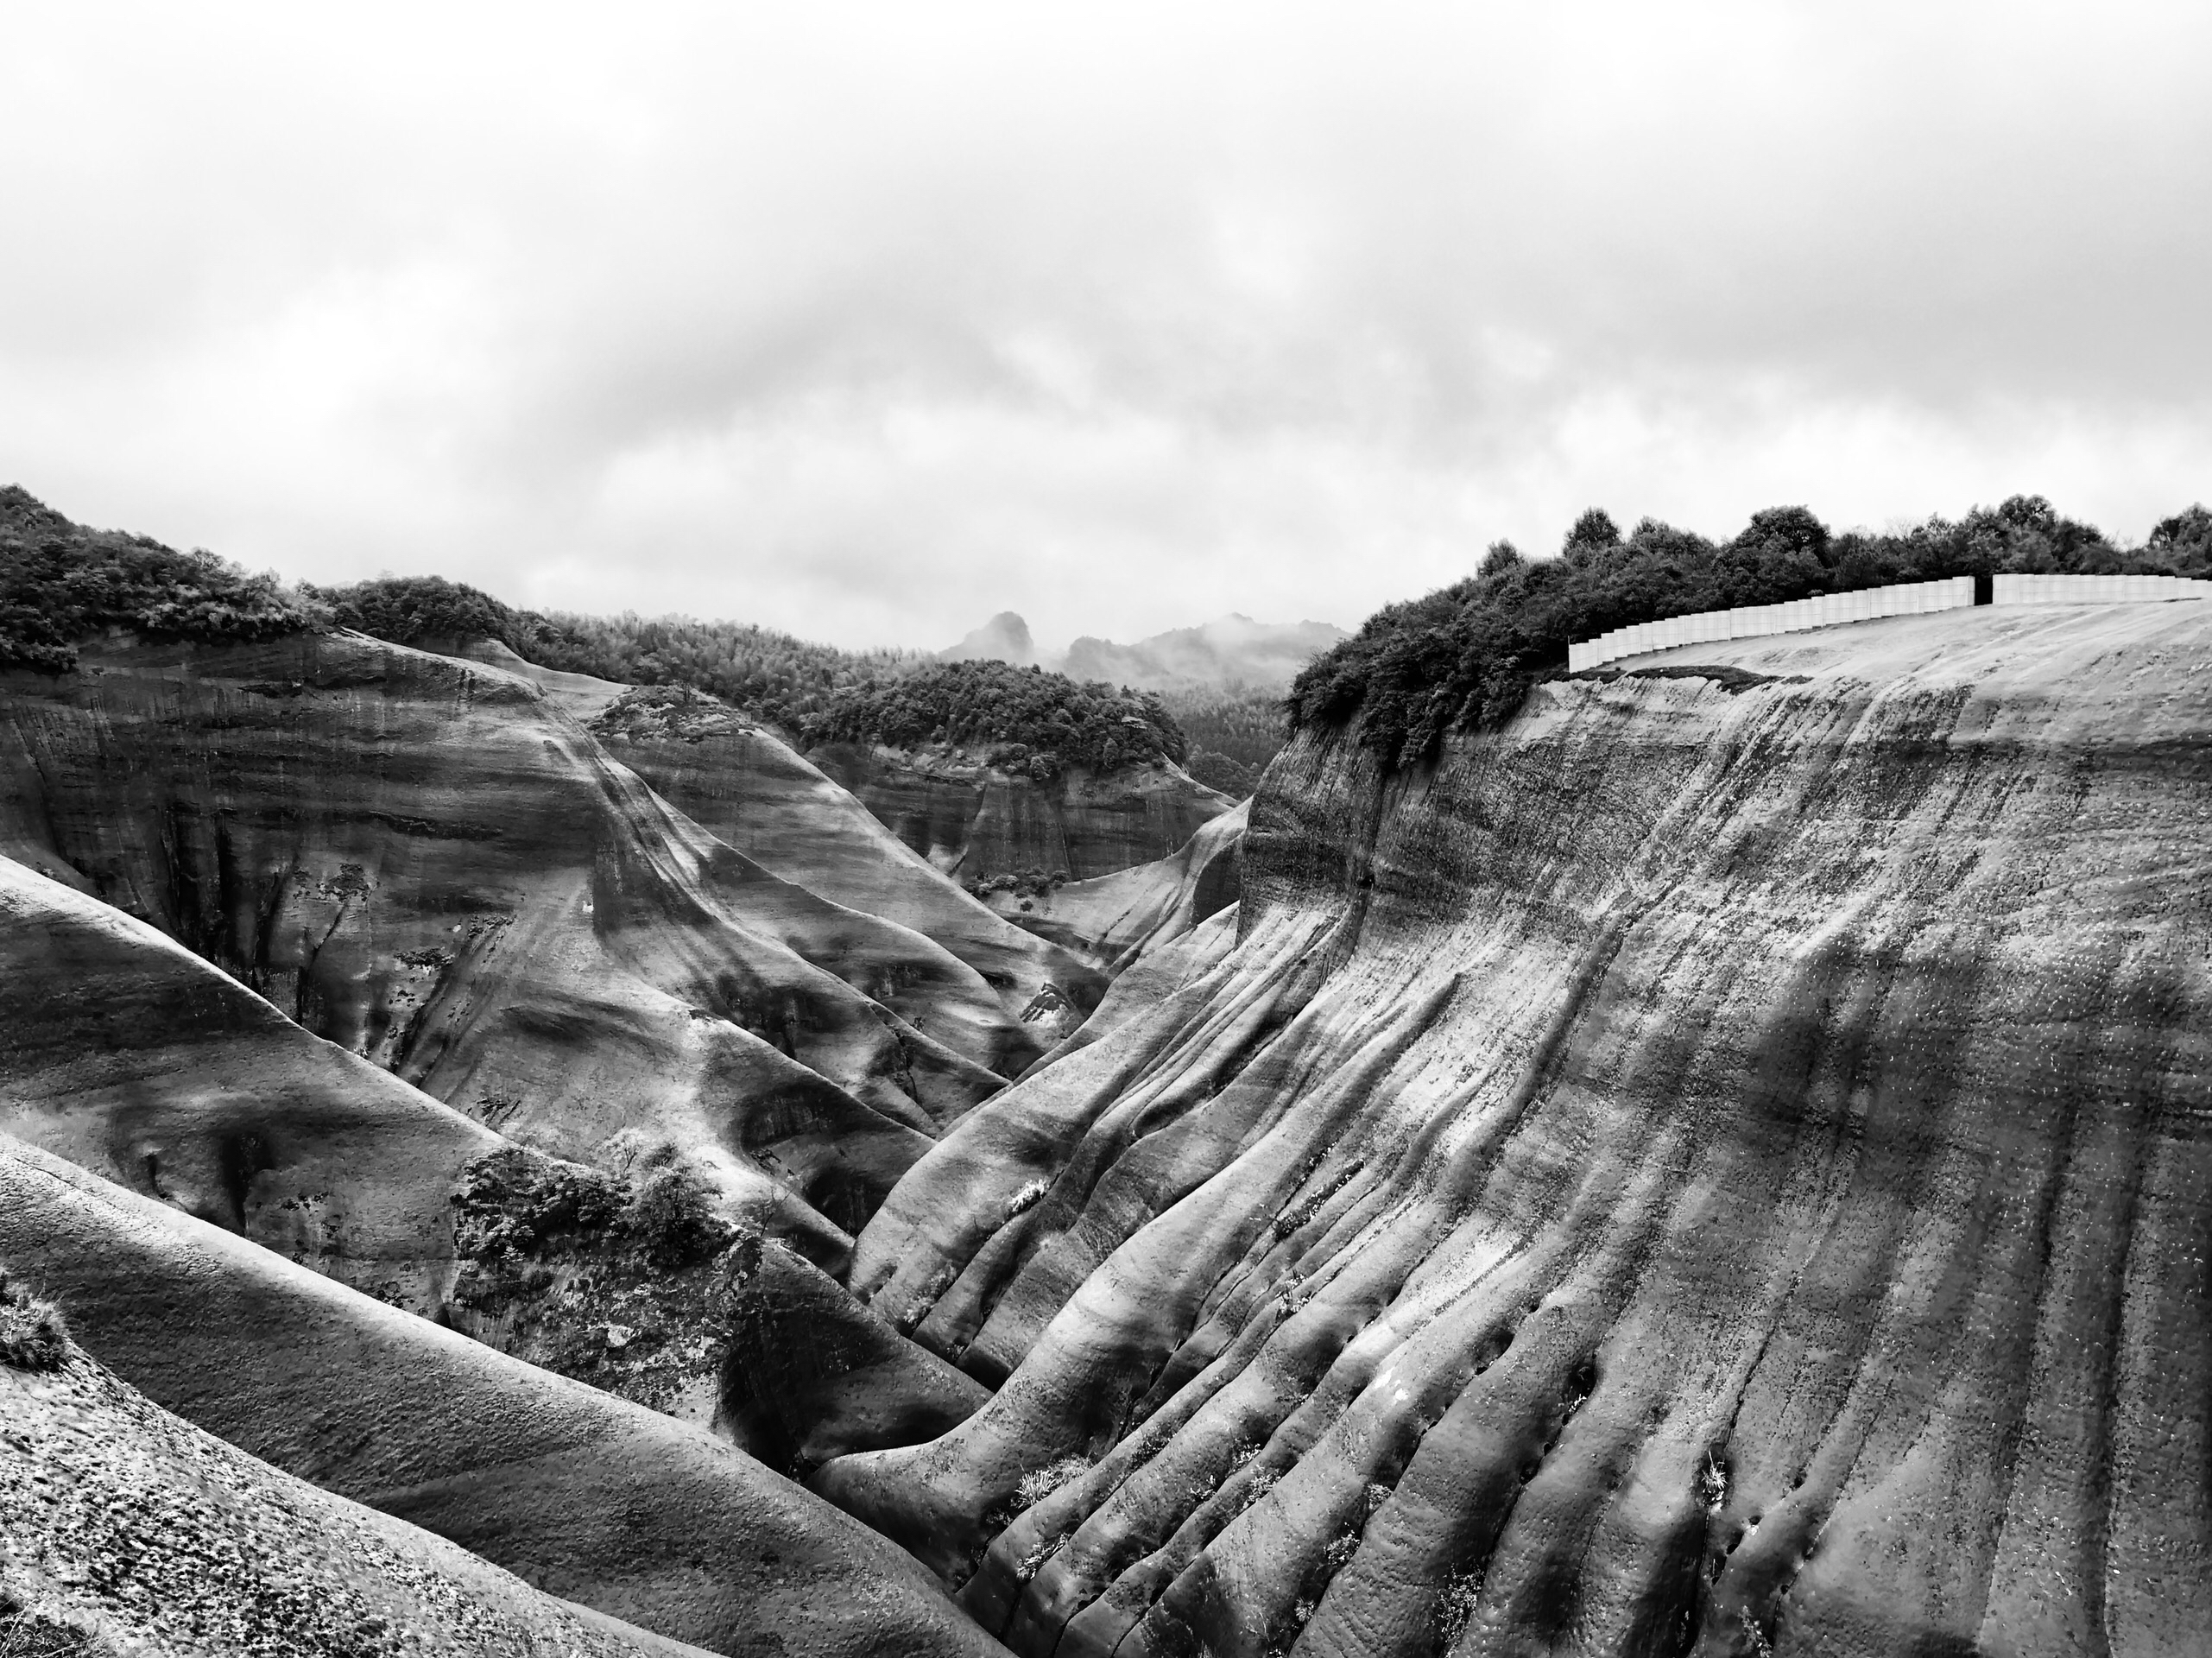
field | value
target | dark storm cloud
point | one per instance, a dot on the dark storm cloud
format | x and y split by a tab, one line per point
869	321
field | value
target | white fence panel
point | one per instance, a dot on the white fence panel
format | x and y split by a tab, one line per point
2096	590
1905	598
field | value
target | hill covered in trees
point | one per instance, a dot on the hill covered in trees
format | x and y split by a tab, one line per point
1466	655
61	584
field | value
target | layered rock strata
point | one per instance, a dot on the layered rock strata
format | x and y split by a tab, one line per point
1722	1164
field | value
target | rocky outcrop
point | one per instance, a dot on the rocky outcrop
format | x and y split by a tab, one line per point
1116	919
125	1529
428	863
1720	1164
974	820
577	1493
750	790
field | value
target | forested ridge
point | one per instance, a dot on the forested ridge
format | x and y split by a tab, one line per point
61	584
1465	656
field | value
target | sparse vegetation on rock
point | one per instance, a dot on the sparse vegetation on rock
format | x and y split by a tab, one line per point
607	1280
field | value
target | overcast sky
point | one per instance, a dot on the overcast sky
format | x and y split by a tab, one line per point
866	321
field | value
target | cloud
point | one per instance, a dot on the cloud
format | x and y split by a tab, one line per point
869	320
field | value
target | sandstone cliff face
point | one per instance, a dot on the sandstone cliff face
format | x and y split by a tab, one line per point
577	1493
976	820
1725	1163
426	862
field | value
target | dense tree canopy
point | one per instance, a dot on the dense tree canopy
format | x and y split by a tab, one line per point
61	583
1021	716
1233	731
1465	656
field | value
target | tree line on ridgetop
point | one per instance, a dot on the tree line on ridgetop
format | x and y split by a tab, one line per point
1460	658
62	583
1464	657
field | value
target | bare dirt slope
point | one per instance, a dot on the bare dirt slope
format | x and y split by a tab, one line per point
127	1530
577	1492
1723	1163
426	862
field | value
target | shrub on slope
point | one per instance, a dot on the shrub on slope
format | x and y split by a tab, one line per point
34	1336
61	583
1465	656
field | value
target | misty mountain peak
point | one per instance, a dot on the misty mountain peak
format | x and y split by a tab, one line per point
1004	638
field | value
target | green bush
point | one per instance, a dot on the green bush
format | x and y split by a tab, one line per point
61	584
1464	657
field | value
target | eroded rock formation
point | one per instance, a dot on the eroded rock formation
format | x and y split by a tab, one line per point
575	1492
125	1528
1722	1163
428	863
132	1057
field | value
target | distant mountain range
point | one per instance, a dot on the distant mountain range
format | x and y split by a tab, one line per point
1229	650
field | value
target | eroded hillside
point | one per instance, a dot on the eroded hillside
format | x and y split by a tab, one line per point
425	862
1725	1162
578	1494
